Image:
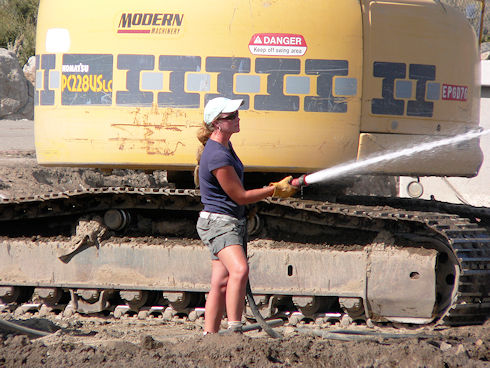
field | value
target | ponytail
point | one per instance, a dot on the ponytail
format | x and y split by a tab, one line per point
203	135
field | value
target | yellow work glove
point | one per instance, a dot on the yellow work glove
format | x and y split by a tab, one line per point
283	189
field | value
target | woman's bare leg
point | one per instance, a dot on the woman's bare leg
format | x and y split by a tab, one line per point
234	260
215	302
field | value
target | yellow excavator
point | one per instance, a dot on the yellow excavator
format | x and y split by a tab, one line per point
123	84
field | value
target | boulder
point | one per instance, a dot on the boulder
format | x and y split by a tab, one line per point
30	70
485	50
485	47
16	92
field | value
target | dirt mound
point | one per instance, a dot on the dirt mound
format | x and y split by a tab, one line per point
21	176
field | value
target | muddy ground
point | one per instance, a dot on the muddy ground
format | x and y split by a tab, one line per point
103	341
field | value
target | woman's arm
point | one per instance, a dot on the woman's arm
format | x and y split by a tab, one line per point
231	184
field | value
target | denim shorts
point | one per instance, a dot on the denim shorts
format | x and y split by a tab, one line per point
218	232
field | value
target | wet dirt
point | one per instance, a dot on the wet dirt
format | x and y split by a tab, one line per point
104	341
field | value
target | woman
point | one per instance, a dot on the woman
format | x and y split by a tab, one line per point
222	225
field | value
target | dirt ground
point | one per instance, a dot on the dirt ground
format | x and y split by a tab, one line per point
107	342
103	341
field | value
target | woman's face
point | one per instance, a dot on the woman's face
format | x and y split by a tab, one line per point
229	123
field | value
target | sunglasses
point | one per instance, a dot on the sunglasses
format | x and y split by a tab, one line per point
230	117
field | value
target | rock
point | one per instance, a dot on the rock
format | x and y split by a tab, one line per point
346	321
290	331
20	340
29	70
149	343
484	47
445	346
460	349
28	111
16	92
294	320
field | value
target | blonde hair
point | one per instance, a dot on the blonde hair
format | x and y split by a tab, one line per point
203	134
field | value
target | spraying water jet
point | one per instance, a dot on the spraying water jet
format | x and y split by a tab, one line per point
350	167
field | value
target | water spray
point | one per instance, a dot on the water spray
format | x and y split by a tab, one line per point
343	169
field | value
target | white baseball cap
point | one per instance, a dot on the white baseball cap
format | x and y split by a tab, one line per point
220	105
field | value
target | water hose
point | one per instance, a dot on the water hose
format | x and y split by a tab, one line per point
346	335
256	326
261	321
255	311
10	326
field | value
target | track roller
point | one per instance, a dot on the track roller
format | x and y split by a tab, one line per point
181	301
117	219
309	305
91	300
254	225
352	306
48	296
134	298
89	295
15	294
9	294
270	305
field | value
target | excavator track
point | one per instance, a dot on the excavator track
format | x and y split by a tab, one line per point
454	239
468	242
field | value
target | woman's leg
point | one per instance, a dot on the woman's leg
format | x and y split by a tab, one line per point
234	260
215	302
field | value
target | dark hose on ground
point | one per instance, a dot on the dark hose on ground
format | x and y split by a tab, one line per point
256	326
22	329
345	335
251	302
261	321
381	334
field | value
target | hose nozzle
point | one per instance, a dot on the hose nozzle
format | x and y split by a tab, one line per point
299	182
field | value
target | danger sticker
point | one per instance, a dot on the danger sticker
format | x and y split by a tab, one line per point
277	44
454	93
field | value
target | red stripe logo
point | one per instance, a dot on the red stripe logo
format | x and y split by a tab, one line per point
453	92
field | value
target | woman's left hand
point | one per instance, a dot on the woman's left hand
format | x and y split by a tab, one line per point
283	188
